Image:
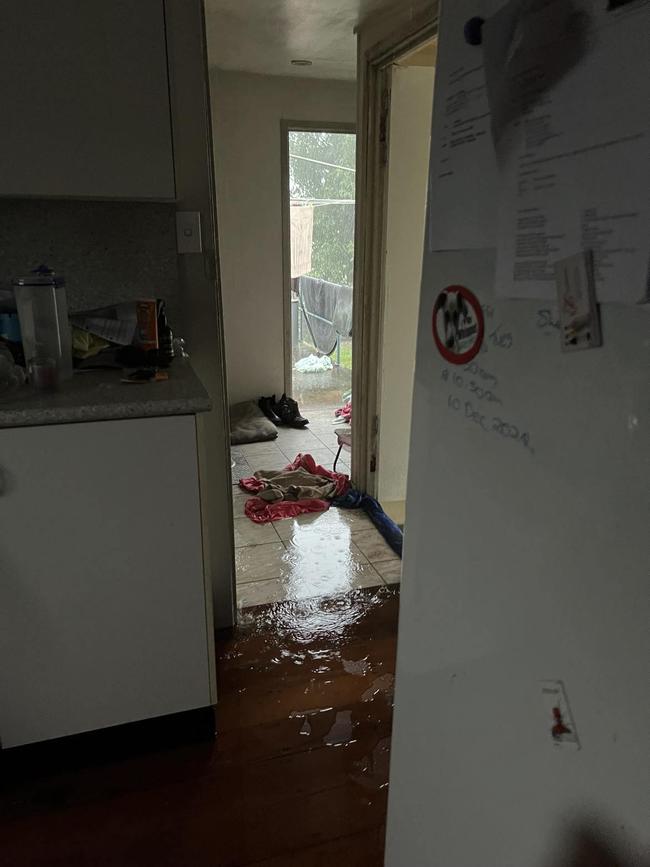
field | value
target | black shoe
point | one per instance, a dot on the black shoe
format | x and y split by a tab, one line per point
287	410
266	404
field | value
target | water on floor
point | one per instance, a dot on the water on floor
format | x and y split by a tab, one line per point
297	775
321	554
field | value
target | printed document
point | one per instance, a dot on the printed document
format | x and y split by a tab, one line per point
568	90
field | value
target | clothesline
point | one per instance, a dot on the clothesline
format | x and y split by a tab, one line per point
322	202
322	163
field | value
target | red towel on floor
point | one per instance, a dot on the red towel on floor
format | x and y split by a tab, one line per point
263	512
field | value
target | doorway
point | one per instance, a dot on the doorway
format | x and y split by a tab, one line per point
391	229
320	179
322	550
409	134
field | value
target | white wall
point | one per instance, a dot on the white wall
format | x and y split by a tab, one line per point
247	111
408	169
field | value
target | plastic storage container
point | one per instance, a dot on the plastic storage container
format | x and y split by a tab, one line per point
43	314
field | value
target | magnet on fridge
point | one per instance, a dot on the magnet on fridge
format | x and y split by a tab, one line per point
576	295
458	324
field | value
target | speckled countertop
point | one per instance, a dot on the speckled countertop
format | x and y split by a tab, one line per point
100	396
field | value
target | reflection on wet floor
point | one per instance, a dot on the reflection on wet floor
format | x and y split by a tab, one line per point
356	666
341	732
383	685
310	622
296	777
322	554
318	678
373	769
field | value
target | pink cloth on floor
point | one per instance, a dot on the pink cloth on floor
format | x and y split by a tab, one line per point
252	485
308	463
263	512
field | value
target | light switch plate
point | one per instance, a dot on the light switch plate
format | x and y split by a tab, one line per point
188	232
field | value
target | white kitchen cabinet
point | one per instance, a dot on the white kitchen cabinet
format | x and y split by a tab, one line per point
102	597
85	99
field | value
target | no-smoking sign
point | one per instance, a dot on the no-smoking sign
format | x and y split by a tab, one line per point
458	324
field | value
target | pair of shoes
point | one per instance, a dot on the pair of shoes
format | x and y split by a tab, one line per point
287	409
282	412
267	404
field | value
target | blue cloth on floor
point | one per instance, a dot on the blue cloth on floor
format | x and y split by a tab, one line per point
389	530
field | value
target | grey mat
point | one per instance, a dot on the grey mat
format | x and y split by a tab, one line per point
248	424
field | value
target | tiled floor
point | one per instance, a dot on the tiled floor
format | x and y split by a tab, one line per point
323	554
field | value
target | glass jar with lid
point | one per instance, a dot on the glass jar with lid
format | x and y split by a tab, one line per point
43	314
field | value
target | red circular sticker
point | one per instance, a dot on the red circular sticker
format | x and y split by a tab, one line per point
458	324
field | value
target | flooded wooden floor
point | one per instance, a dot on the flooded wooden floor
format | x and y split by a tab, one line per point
297	776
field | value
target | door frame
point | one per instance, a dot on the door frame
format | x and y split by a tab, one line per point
287	126
380	46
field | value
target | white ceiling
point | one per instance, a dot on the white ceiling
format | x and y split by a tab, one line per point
264	36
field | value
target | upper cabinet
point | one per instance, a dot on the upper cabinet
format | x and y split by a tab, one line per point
84	95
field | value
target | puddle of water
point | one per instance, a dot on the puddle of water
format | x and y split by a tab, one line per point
324	655
373	769
309	634
304	715
341	731
309	621
384	685
314	635
356	666
299	714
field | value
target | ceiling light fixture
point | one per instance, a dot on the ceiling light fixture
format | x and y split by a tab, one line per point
301	63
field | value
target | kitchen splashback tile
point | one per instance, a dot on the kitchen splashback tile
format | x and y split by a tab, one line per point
107	251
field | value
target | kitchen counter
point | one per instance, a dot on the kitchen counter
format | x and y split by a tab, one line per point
100	396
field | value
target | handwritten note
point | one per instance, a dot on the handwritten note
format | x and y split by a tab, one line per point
475	393
548	321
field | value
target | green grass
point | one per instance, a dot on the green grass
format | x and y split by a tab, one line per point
346	355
